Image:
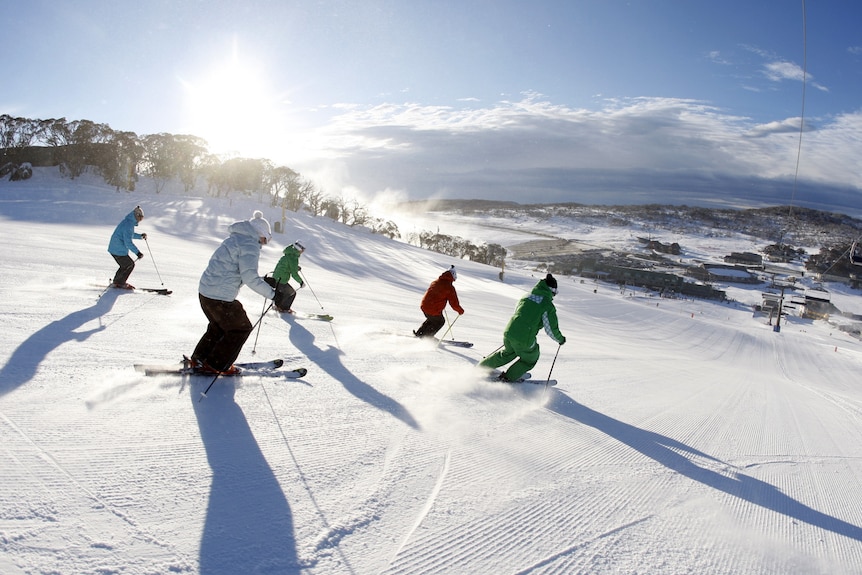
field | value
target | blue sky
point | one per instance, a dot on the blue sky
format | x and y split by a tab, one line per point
576	100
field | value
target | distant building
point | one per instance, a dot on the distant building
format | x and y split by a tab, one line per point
728	274
661	248
744	258
660	281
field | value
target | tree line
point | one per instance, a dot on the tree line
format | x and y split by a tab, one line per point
122	157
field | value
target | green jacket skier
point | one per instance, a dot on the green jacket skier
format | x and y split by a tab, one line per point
286	269
533	312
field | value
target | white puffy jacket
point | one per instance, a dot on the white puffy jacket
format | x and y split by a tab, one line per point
233	264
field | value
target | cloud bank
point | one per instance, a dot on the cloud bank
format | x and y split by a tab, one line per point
639	150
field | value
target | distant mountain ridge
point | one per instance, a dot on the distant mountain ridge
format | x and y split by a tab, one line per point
776	223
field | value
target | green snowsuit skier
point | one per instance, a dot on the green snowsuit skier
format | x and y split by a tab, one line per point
286	269
533	312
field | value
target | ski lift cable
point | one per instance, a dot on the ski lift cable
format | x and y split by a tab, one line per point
854	252
802	113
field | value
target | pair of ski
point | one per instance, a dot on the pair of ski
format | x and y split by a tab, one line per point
270	368
301	315
455	343
527	378
452	342
159	291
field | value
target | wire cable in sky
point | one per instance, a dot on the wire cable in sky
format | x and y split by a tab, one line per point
802	113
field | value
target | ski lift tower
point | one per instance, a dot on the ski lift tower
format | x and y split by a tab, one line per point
777	327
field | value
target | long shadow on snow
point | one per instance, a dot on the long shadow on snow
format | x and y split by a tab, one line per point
27	357
330	361
672	454
249	525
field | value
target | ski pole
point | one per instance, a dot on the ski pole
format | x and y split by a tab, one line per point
448	330
450	324
552	366
153	260
305	282
257	323
257	334
493	352
204	392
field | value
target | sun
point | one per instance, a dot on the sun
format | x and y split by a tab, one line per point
233	107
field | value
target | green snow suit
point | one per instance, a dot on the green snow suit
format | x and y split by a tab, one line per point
533	312
288	266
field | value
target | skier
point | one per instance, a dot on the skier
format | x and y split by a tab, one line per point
434	302
121	244
287	267
519	338
233	264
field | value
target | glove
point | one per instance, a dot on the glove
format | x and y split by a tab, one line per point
563	341
144	236
140	255
301	285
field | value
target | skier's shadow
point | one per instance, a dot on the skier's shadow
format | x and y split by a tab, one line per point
679	458
249	525
25	360
330	361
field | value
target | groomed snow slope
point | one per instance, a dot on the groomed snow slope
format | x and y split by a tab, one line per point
683	436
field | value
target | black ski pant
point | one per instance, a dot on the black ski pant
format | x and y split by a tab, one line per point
228	329
284	296
431	326
126	264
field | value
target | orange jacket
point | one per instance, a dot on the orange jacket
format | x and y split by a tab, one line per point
438	294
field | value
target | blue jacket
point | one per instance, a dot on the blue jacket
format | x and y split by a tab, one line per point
233	264
121	240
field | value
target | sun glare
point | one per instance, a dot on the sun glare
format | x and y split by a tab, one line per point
234	109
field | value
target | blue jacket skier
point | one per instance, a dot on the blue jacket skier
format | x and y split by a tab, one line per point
121	244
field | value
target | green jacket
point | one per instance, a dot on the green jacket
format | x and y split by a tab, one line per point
534	312
288	266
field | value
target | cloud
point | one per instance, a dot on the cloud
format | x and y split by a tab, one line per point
786	126
778	71
533	150
716	57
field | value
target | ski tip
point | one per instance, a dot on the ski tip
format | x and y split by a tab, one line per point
301	371
278	363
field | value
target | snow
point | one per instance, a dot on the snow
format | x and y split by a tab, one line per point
684	436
